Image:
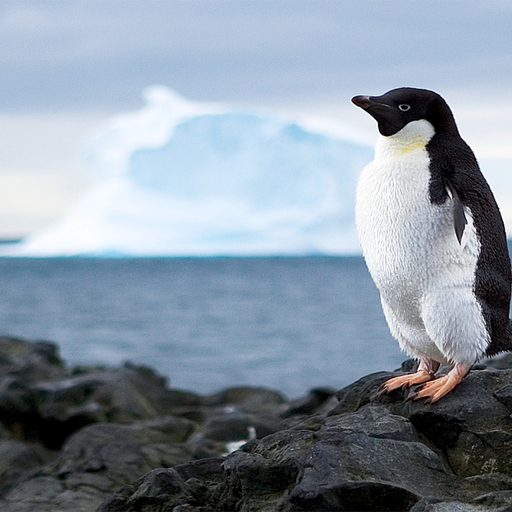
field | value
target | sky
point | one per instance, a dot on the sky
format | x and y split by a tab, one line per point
68	65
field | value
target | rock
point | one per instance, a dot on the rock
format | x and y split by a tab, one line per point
247	399
168	488
21	365
30	362
371	421
121	440
121	395
17	460
312	403
367	460
103	457
362	392
124	452
40	493
233	426
49	411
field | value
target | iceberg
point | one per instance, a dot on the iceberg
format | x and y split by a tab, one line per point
185	178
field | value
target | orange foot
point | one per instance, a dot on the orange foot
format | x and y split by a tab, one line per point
426	372
436	389
406	381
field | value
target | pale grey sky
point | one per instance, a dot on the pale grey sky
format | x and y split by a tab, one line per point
98	54
67	64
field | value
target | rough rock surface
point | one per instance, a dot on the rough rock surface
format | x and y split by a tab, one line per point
121	440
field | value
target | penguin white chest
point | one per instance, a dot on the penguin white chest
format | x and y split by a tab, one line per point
424	275
394	216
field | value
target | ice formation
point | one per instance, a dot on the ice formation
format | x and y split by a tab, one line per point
183	178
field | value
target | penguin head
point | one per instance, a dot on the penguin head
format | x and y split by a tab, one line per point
398	107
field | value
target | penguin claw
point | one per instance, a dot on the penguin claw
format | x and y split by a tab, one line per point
411	397
404	381
433	391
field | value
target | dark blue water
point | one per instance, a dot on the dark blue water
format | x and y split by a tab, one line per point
286	323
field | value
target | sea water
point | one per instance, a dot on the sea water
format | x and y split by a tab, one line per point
206	323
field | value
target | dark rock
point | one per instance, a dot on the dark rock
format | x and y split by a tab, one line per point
493	502
371	421
157	484
490	378
476	453
499	501
467	407
504	395
303	422
311	403
259	475
22	364
104	457
18	460
126	443
354	496
247	399
409	366
406	470
362	392
124	452
50	411
40	493
238	426
166	489
30	362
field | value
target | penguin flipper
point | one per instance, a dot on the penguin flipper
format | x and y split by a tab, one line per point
459	217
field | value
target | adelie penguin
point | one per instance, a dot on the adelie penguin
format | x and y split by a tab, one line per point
433	240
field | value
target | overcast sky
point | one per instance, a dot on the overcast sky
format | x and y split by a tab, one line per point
67	64
82	54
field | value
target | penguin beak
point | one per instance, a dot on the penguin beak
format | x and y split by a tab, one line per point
366	102
362	101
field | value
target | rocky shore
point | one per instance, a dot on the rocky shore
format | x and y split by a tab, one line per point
122	440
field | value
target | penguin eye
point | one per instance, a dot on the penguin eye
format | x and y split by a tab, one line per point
404	107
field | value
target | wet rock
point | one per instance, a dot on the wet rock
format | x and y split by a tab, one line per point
248	399
18	460
122	440
99	459
371	421
186	485
362	392
30	362
235	426
312	403
124	452
49	411
21	365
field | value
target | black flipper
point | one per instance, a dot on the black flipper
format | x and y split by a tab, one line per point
459	217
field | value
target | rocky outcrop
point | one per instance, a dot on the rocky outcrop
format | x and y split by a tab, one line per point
122	440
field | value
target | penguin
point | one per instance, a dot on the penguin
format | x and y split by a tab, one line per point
433	240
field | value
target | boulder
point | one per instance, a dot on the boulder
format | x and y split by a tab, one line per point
122	440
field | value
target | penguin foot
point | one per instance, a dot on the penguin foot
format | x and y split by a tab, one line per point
426	371
405	381
436	389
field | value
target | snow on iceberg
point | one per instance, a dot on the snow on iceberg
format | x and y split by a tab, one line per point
183	178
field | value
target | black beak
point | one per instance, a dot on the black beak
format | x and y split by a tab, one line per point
362	101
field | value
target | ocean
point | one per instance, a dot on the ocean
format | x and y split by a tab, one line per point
290	324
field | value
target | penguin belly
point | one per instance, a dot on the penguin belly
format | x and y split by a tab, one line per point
424	275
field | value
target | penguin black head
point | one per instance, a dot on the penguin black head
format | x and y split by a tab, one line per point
398	107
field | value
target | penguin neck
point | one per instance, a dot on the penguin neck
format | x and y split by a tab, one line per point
413	137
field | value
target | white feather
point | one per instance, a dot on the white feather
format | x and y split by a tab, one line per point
425	277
